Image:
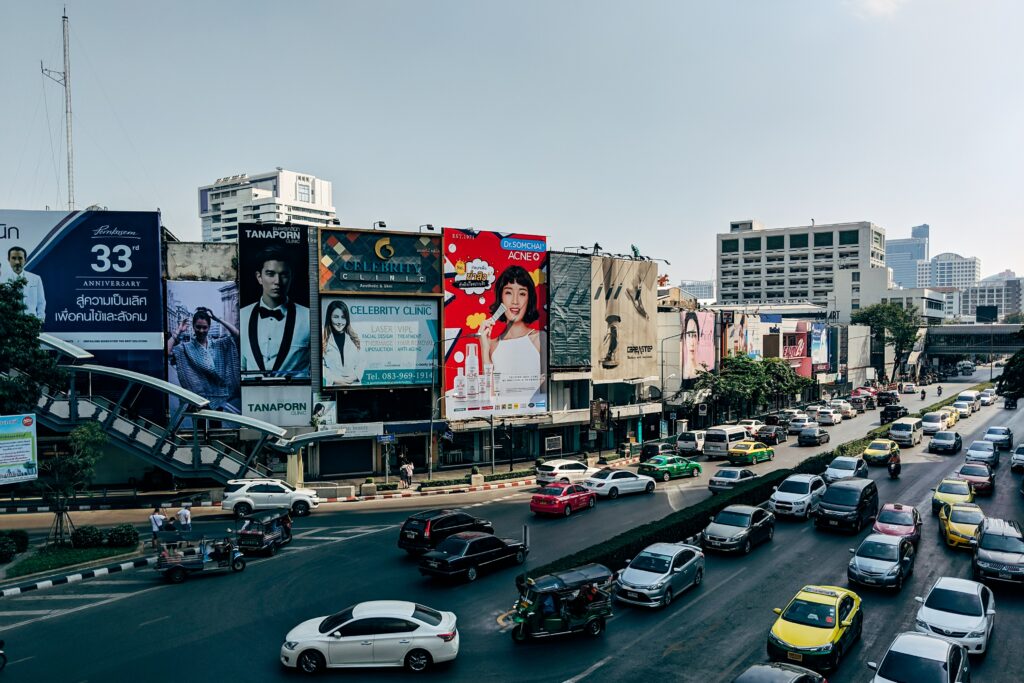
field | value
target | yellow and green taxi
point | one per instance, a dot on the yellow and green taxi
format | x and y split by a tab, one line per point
951	491
817	627
749	453
958	523
665	467
952	416
879	451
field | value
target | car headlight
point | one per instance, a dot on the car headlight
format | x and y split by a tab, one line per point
985	564
976	634
775	640
894	571
820	649
290	645
923	624
660	584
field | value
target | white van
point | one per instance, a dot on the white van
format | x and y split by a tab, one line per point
691	442
935	421
907	431
972	397
718	440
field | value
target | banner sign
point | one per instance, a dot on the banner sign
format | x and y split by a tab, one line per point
624	314
19	460
325	412
359	261
93	278
698	344
378	341
496	323
282	405
599	414
819	345
274	295
570	310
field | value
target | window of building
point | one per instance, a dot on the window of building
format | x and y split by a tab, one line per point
855	276
798	241
751	244
823	239
776	242
855	305
730	246
849	237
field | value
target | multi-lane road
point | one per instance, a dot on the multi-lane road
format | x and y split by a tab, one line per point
135	627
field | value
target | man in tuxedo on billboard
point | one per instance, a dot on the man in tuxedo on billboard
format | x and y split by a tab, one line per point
275	328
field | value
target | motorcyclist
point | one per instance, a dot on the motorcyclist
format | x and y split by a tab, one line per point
923	394
894	464
939	390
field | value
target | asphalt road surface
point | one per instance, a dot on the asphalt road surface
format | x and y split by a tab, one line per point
230	626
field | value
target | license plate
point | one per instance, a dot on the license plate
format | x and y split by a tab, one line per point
431	564
795	656
632	594
1003	575
833	522
870	580
715	543
410	534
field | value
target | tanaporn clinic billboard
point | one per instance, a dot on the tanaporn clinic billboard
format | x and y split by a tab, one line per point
623	314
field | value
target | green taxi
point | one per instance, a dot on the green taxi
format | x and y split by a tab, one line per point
665	467
749	453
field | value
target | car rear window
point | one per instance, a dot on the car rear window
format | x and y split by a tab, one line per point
932	417
415	524
900	666
427	615
727	474
974	470
552	490
452	546
944	436
958	487
546	468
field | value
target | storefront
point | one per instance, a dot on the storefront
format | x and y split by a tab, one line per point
351	455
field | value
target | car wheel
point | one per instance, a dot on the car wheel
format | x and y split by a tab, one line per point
242	509
665	476
301	508
649	488
594	628
520	557
472	574
694	473
771	532
838	656
771	455
567	511
238	564
310	662
746	547
667	600
698	578
613	493
272	550
519	634
592	501
899	583
418	661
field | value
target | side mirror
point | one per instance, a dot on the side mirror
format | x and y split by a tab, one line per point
853	551
777	610
677	570
991	613
919	599
973	542
711	519
873	666
627	564
336	634
775	488
847	623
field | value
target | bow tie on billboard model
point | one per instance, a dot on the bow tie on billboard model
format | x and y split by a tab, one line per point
271	313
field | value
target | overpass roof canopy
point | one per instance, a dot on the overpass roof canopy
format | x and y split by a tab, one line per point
978	329
145	380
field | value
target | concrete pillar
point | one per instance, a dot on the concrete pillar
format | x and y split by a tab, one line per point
294	474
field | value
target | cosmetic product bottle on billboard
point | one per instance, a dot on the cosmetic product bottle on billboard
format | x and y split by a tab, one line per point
460	384
487	384
472	372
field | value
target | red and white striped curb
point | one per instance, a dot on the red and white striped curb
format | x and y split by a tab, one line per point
440	492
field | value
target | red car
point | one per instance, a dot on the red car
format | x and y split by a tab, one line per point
895	519
561	499
980	475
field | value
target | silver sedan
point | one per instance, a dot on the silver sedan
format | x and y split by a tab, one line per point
659	573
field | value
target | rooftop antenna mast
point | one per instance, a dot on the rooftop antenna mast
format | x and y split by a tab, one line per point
64	78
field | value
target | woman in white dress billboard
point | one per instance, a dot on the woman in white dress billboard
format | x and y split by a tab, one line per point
341	345
515	355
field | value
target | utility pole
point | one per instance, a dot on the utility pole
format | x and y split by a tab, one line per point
63	78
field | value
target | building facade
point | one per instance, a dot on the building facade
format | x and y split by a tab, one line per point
902	255
279	196
857	290
797	264
1005	295
699	289
949	270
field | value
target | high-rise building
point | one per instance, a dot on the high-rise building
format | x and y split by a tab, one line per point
902	255
279	196
949	270
778	265
1005	295
699	289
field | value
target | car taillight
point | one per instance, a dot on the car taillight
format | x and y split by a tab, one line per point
426	530
448	637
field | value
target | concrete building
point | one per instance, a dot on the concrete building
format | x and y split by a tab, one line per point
797	264
856	290
699	289
902	255
279	196
1005	295
949	270
951	301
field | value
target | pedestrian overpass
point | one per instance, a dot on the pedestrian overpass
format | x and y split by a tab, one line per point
973	340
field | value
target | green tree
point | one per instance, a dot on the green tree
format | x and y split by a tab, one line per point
1010	384
25	368
892	325
781	380
63	476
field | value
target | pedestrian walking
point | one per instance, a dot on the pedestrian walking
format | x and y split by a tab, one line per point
407	470
156	520
185	517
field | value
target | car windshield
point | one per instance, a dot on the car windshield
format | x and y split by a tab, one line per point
956	602
901	667
332	622
841	464
998	431
958	487
873	550
727	474
879	445
982	446
453	546
841	496
900	517
790	486
811	614
552	490
900	427
960	516
944	436
1002	544
650	562
732	518
960	405
974	470
603	474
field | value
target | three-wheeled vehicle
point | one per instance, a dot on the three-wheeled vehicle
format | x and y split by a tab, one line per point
574	601
265	532
190	552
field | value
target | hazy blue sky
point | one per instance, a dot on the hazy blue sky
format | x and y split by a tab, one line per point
652	123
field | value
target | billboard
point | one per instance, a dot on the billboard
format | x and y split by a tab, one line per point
285	405
377	341
736	335
496	323
19	460
373	262
698	344
570	310
753	332
93	278
274	296
203	342
819	346
624	311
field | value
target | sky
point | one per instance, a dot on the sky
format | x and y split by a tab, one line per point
646	123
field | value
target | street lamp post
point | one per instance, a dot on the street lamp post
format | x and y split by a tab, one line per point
662	351
430	442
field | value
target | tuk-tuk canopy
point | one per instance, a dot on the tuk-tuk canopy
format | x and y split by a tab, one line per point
267	516
179	536
572	578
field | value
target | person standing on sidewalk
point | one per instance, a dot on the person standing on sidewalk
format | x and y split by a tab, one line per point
185	517
156	520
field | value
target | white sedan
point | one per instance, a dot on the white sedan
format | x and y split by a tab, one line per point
386	633
959	610
611	483
750	425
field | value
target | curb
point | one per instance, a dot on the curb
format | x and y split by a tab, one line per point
10	510
430	492
79	576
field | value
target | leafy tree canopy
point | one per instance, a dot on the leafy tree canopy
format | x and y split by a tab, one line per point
25	368
895	325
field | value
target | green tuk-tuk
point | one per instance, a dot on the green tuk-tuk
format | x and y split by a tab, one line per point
574	601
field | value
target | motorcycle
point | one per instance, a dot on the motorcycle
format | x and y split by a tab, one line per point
894	470
939	391
923	394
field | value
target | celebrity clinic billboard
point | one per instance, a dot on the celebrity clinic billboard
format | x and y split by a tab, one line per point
496	323
274	296
698	343
93	278
372	262
378	341
623	313
570	310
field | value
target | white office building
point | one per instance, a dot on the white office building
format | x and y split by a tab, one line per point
1005	295
860	289
279	196
798	264
949	270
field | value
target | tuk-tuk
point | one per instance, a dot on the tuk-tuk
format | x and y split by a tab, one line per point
265	532
189	552
574	601
1010	403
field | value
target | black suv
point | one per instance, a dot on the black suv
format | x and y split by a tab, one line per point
847	504
888	398
893	412
998	551
424	530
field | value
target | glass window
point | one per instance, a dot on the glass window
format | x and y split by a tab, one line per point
752	244
730	246
359	627
823	239
776	242
427	615
798	241
849	237
855	276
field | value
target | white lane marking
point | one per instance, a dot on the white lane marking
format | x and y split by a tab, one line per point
315	538
123	582
23	659
153	621
592	669
309	532
58	613
87	596
26	613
